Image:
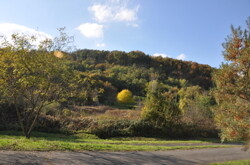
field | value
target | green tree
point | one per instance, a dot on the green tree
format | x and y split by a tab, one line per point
125	96
31	77
160	107
86	88
233	86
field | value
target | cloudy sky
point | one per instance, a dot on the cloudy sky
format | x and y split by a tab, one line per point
191	30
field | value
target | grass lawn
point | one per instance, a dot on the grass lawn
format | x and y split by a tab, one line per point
87	142
237	162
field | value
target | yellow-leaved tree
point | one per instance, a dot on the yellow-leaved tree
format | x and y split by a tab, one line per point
125	96
31	77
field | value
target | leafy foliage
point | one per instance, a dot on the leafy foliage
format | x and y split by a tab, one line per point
30	79
233	87
196	102
125	96
156	67
160	105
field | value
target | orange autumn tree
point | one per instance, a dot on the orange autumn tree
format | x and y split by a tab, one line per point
233	87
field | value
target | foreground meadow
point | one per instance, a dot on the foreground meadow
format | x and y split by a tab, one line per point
87	142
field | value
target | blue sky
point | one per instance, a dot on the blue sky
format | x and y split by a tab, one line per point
191	30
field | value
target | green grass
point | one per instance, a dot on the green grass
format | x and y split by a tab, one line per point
237	162
87	142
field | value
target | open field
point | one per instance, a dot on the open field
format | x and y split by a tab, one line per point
88	142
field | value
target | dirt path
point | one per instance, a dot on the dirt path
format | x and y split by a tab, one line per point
177	157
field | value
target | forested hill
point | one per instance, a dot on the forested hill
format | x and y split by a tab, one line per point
142	66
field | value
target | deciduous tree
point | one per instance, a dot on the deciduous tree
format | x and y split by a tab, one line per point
31	77
125	96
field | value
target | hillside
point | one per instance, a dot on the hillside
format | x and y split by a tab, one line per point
133	70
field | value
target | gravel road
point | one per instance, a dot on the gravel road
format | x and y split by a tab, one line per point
175	157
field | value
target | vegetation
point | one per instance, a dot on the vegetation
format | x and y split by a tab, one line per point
233	87
120	94
160	107
80	142
30	80
236	162
125	96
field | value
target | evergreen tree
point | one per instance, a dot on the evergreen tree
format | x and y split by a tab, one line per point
160	107
233	86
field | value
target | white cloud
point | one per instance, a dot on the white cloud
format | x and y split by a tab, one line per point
181	57
7	29
100	44
126	15
91	30
114	11
161	54
102	13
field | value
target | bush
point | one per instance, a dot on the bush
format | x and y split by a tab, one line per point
145	129
107	129
178	129
46	123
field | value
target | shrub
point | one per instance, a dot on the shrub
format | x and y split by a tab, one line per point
107	129
46	123
145	129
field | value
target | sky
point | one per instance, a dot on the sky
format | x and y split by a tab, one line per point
190	30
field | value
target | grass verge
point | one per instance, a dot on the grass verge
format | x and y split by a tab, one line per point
236	162
87	142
